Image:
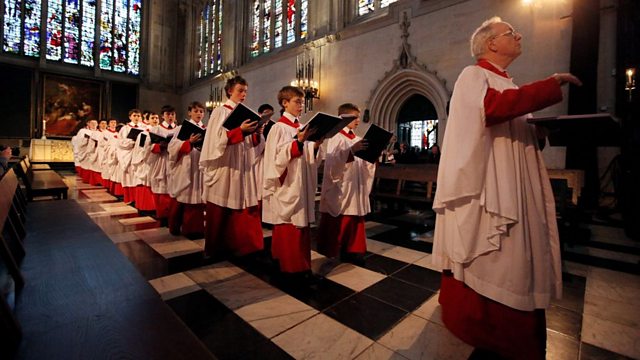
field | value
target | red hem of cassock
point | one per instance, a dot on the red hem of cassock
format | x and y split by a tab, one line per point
487	324
163	203
106	184
129	193
239	231
291	246
86	175
186	219
344	232
117	189
79	171
144	198
95	178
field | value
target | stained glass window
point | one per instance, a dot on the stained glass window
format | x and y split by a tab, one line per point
88	32
368	6
32	16
266	26
291	21
106	37
278	22
54	30
12	16
209	43
255	31
71	31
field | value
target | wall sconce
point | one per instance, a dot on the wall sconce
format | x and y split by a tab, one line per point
215	99
630	83
305	70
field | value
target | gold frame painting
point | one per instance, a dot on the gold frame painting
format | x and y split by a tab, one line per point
68	104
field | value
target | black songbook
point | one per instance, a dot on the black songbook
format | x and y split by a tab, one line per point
240	114
143	139
157	139
326	126
377	140
133	133
187	129
600	129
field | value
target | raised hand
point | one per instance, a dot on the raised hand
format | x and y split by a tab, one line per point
564	78
194	138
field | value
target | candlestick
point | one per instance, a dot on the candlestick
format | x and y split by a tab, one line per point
44	128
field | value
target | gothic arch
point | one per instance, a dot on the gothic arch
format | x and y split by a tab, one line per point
407	77
392	91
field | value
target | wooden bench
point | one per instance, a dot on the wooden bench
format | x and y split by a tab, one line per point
42	183
36	167
11	254
425	174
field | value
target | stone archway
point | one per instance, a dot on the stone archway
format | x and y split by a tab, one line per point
407	77
392	92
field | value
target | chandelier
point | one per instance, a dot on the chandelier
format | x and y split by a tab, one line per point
215	98
305	79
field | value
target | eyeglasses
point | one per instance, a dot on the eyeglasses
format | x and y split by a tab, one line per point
511	33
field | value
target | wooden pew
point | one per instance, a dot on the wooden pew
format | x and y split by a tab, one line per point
11	254
36	167
426	174
42	183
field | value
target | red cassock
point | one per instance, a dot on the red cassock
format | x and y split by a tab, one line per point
344	232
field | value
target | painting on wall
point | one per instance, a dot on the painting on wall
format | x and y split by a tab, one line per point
68	104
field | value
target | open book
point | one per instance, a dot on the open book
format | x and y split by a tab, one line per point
240	114
326	126
156	139
133	133
377	140
187	129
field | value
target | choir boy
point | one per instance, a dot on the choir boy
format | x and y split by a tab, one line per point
228	160
186	214
290	181
346	185
124	153
159	173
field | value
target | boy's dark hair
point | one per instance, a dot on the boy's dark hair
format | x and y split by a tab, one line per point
146	112
112	119
195	104
133	111
167	108
233	82
264	107
289	92
347	107
152	113
102	121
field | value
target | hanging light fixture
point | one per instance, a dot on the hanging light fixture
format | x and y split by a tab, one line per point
215	98
305	79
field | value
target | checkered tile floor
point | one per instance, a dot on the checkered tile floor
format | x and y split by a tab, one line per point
385	309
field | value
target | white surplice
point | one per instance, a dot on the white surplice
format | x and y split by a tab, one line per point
345	185
159	173
186	179
293	200
124	152
229	169
495	214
